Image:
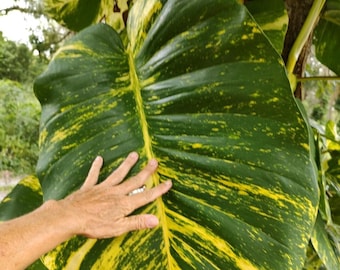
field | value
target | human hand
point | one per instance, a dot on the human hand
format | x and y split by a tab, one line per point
102	210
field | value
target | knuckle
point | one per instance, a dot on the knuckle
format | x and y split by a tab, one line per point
140	224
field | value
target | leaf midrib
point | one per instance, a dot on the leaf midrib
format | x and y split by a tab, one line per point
154	180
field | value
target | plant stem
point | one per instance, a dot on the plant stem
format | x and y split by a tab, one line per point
306	30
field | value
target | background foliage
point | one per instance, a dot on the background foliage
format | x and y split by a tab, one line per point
19	109
19	127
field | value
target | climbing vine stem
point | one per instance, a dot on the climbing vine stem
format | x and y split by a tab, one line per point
306	30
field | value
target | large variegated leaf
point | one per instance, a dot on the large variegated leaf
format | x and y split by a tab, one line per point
199	87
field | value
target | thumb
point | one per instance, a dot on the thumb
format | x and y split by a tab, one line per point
140	222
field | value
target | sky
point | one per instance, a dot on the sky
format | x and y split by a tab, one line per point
15	26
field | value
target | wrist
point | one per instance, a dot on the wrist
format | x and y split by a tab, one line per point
60	215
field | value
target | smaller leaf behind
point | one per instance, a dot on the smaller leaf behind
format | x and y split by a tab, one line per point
79	14
327	36
323	246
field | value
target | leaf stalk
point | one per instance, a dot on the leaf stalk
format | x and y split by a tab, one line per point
318	78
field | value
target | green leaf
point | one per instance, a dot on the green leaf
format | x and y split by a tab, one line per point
24	198
327	36
326	231
199	87
37	265
333	143
272	18
78	14
323	246
74	14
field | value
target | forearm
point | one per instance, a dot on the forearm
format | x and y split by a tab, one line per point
23	240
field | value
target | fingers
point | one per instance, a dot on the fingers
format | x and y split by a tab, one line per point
139	222
93	174
119	174
146	221
106	207
132	223
148	196
139	179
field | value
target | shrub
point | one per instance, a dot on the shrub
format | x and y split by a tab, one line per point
19	127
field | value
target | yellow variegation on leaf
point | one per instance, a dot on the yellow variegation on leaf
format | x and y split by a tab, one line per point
198	86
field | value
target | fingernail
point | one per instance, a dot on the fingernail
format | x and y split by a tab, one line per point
153	162
152	221
168	183
98	158
133	155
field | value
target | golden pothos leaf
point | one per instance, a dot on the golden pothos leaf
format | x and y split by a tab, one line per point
199	87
